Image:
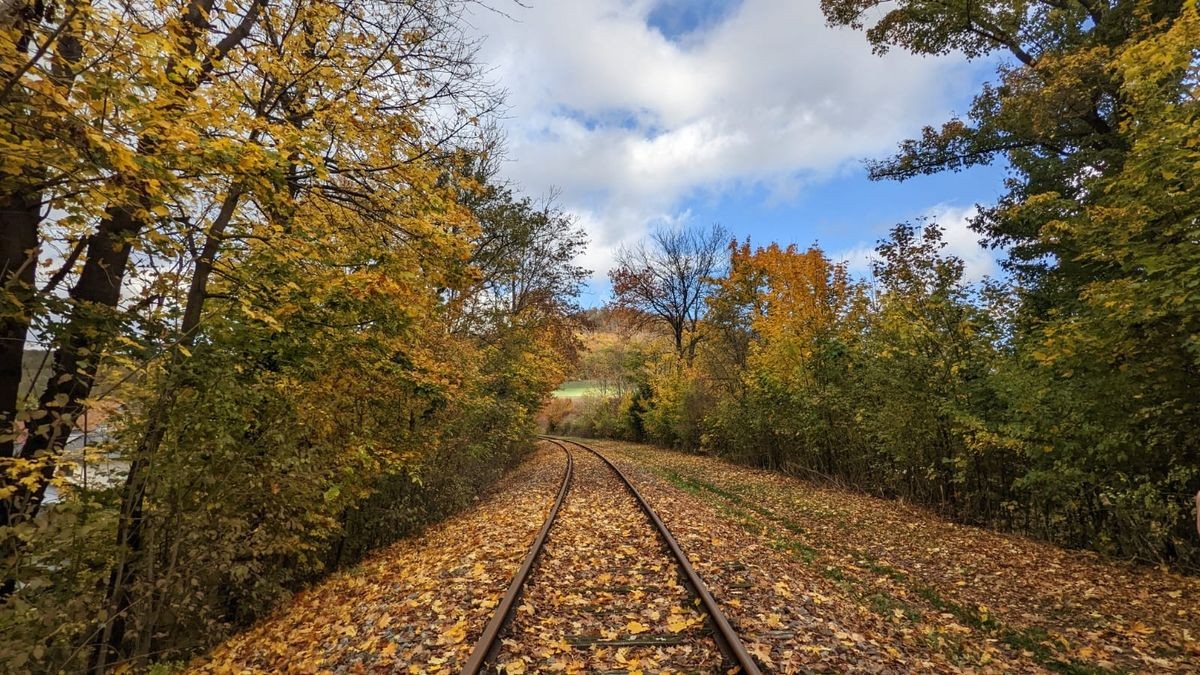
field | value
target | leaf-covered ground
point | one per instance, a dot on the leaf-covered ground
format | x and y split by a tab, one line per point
417	606
813	578
819	578
605	586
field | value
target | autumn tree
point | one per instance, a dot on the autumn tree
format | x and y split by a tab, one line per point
109	203
525	254
666	277
1112	369
1092	109
786	315
1054	113
928	348
254	225
1058	400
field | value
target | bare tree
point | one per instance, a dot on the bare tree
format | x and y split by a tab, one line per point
666	277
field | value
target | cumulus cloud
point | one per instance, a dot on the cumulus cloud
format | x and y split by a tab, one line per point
858	260
628	122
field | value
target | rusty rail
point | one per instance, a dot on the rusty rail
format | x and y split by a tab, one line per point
487	640
727	638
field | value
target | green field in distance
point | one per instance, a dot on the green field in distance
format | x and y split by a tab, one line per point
581	388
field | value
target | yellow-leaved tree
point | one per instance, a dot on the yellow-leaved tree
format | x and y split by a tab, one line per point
251	233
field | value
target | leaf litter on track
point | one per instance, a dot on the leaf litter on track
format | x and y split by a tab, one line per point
605	585
416	606
821	578
813	578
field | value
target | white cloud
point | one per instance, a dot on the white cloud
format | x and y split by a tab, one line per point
858	260
627	123
961	242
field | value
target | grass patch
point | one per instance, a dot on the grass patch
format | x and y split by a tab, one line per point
798	549
739	515
887	571
583	388
888	605
1036	640
833	573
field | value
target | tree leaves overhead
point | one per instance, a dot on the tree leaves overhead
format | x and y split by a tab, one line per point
261	228
1054	111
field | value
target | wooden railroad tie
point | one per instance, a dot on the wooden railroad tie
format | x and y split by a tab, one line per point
649	640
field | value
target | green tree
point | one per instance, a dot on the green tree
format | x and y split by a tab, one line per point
1114	369
927	354
1054	113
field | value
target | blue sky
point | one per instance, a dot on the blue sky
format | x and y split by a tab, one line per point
679	18
751	113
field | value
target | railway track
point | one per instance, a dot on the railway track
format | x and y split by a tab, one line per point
734	655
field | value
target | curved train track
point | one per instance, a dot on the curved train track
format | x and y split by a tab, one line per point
727	640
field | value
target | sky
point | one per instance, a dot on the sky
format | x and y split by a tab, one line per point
753	114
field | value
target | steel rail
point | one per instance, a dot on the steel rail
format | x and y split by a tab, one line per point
487	640
727	638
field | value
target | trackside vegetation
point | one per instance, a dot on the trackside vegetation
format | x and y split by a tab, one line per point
266	306
1059	400
266	239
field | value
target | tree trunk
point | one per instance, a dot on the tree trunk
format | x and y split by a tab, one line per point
94	296
131	526
98	290
19	216
18	266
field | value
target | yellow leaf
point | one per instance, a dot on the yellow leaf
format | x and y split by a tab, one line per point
676	623
456	633
762	653
1140	628
635	627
